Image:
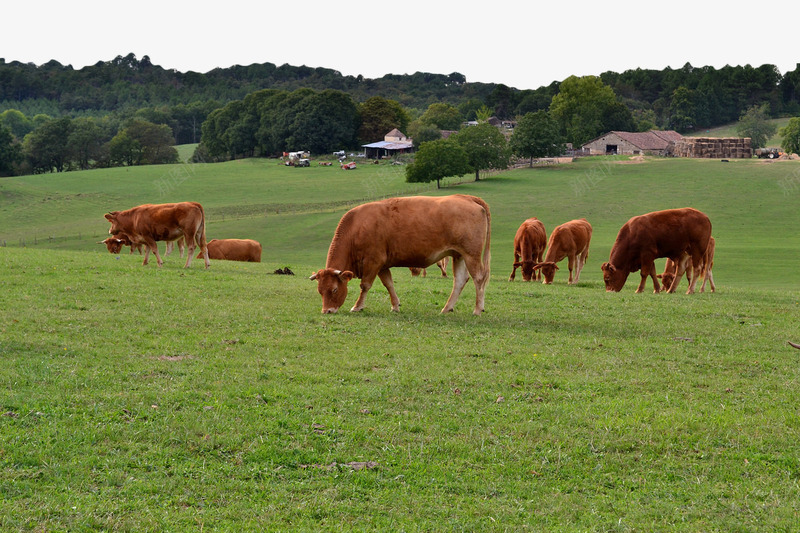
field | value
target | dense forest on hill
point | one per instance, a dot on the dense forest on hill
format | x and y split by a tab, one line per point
128	111
131	83
705	95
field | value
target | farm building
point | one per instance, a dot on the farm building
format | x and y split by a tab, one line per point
653	142
393	143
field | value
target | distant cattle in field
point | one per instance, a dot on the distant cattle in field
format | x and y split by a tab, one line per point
441	263
407	232
668	276
673	233
234	250
149	223
571	240
529	243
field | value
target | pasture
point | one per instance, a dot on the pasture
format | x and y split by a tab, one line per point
144	399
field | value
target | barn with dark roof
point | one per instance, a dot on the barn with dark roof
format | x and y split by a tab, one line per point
653	142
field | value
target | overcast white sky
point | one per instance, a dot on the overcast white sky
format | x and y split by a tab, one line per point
522	43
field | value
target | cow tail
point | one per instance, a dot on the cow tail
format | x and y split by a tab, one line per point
201	236
487	254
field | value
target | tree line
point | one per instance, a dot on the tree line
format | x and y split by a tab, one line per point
126	111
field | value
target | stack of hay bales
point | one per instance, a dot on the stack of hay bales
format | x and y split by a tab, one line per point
714	147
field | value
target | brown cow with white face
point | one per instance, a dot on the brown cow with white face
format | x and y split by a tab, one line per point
674	233
571	240
246	250
147	224
704	269
529	243
407	232
115	244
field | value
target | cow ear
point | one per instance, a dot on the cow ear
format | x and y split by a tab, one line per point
111	215
519	264
314	275
555	266
660	276
346	276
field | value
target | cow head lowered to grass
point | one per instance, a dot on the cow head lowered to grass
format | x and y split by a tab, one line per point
416	231
332	286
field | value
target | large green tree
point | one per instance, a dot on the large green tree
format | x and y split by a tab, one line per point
791	136
17	122
586	107
443	116
325	121
682	110
10	153
85	142
486	147
754	123
144	143
537	135
436	160
46	147
379	116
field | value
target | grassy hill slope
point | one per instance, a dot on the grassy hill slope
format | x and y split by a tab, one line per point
293	211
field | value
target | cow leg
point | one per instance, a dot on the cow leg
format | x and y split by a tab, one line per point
480	277
571	266
386	278
680	268
366	284
708	276
191	244
460	278
648	269
581	261
514	272
154	247
696	262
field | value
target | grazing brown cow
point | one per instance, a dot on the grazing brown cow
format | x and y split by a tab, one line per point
571	240
115	244
234	250
529	243
407	232
704	269
441	263
674	233
147	224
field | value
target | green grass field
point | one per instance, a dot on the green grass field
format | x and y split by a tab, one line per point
144	399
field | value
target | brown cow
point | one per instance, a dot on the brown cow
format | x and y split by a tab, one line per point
571	240
704	270
529	243
441	263
674	233
115	244
234	250
407	232
147	224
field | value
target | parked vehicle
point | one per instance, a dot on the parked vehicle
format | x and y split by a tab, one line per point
767	153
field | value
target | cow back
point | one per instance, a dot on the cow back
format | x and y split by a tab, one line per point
409	232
